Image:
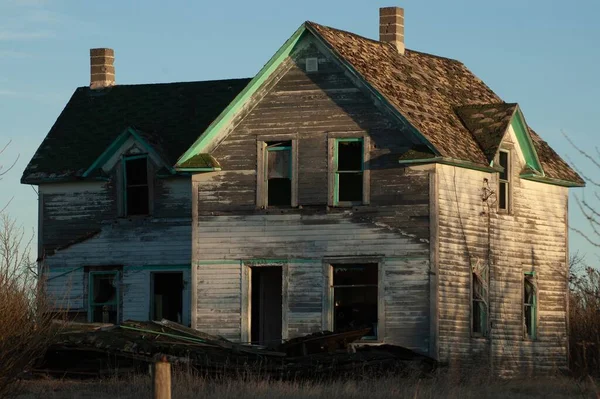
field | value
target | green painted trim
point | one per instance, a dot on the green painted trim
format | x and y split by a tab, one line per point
245	261
116	144
407	258
235	106
550	180
336	180
375	92
282	148
157	267
452	162
420	161
91	275
198	169
524	138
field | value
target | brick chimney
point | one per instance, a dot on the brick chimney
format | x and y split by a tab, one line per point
102	68
391	27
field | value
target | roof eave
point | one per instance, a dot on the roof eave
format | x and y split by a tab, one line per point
551	180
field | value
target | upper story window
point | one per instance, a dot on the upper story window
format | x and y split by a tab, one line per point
136	193
504	181
277	173
349	177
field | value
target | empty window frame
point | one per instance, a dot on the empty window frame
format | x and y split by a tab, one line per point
504	181
136	191
355	297
529	306
104	297
278	173
348	171
479	310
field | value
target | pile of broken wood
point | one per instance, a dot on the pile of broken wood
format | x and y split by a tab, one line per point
96	350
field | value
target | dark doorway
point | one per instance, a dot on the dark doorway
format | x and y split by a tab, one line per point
167	296
265	321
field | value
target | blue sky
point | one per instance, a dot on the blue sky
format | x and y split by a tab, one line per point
543	54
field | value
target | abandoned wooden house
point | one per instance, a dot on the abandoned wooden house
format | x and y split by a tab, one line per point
351	182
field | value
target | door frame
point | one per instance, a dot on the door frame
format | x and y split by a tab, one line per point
246	310
151	307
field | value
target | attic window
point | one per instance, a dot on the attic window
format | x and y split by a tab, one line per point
312	64
137	192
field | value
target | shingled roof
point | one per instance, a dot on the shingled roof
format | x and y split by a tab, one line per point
169	116
431	92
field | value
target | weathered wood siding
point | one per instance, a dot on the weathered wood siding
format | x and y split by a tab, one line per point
227	244
231	234
81	227
532	238
71	211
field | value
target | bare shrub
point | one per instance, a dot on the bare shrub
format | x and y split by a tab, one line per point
25	324
584	319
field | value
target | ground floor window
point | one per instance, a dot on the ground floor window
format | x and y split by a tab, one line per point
355	297
104	296
479	309
529	306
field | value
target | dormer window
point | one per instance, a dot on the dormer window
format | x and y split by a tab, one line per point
504	181
136	185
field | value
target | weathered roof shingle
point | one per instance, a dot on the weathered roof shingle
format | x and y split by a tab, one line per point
169	116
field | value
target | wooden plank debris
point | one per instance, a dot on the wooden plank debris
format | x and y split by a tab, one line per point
101	350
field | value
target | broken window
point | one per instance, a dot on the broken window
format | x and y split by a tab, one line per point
349	168
137	193
504	181
529	306
480	307
104	297
355	297
278	173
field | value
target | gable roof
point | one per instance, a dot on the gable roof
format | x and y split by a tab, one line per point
169	117
426	90
438	97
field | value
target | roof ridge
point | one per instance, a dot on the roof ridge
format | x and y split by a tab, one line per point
172	83
383	43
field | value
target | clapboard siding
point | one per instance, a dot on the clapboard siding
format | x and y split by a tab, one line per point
219	262
73	210
230	233
532	238
173	197
139	246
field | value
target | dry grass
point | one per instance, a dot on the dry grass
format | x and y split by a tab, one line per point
441	386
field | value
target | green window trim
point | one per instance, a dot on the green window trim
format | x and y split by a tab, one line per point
336	182
116	302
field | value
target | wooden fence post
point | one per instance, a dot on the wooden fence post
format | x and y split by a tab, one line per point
162	379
